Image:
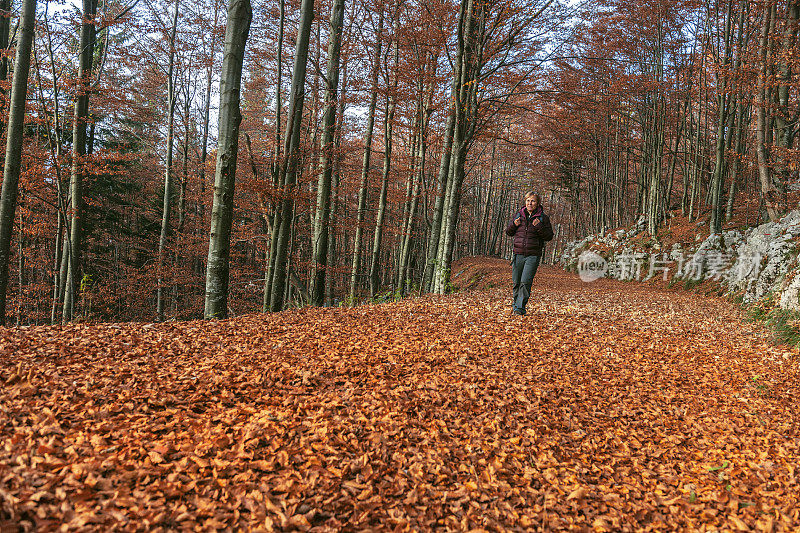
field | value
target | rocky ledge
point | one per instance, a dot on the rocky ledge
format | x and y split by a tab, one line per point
756	263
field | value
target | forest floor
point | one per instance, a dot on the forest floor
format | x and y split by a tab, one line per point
611	406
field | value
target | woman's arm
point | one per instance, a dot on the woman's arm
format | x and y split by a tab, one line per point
512	227
544	230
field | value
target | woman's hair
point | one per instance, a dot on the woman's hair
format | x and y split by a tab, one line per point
533	193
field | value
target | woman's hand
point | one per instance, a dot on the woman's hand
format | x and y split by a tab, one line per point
518	221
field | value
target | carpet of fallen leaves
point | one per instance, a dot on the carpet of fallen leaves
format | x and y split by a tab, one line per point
609	407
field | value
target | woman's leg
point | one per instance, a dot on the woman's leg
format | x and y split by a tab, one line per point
517	265
531	265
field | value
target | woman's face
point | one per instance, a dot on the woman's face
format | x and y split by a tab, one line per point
531	203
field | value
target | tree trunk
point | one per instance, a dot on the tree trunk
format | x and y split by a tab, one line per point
273	237
240	14
291	156
13	157
362	191
81	115
404	281
431	261
5	24
741	118
768	189
723	106
786	114
468	63
333	254
327	155
166	212
374	269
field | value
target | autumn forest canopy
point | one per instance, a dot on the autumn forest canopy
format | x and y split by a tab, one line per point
173	160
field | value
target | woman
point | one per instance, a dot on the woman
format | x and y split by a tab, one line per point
530	228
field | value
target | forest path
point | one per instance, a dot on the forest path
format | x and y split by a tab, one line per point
610	406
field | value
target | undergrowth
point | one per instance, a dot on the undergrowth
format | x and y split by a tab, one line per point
784	323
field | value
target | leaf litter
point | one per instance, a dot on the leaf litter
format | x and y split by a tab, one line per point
610	407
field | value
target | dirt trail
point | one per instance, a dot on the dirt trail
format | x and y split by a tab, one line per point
610	406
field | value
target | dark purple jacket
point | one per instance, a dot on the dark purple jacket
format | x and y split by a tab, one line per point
530	239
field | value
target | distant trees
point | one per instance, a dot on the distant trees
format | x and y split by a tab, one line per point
688	102
406	137
319	184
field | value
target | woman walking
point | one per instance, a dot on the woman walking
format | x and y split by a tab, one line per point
530	228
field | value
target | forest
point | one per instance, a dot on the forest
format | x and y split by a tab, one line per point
254	265
175	160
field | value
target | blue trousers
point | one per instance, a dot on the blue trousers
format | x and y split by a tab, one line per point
523	268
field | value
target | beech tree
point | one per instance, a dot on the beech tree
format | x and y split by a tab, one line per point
168	170
290	161
327	156
367	159
13	155
79	126
240	15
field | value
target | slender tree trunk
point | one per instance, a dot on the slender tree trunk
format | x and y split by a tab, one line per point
785	115
5	25
741	119
375	266
404	280
273	239
20	266
723	106
327	155
166	212
471	26
54	141
333	254
431	262
13	157
362	191
768	189
240	14
313	155
81	115
689	147
291	155
184	164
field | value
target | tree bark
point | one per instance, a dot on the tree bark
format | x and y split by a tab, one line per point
327	155
81	115
768	189
240	14
468	69
13	157
5	25
362	191
403	280
333	254
723	107
291	155
273	237
374	269
166	212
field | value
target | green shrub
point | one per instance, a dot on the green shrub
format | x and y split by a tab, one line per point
691	283
784	323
